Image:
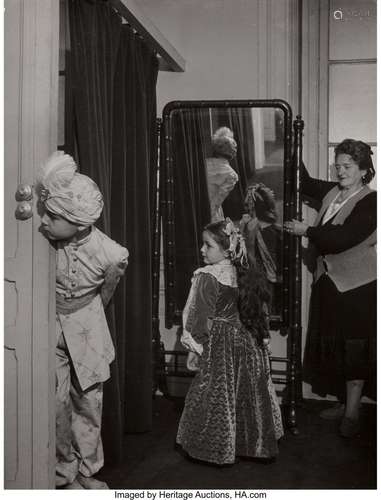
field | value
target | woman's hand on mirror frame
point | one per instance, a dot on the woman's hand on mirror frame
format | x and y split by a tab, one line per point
295	227
246	218
249	220
267	345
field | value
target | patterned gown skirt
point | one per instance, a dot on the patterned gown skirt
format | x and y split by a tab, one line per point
231	407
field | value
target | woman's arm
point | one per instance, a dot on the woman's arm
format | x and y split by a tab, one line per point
314	188
331	239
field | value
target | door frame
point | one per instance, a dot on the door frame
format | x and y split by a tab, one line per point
37	23
43	129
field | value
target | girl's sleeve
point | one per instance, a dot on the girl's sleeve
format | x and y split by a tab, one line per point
224	179
314	188
203	307
227	184
362	221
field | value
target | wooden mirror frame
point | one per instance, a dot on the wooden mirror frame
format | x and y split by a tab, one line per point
173	316
290	323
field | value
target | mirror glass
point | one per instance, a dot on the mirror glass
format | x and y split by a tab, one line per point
225	161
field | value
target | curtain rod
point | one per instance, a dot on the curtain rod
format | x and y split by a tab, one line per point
138	21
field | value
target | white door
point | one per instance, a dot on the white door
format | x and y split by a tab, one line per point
30	135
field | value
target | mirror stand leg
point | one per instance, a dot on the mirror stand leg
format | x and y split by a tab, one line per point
291	419
162	378
159	375
294	382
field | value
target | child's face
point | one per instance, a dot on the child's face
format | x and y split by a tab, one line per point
211	250
58	228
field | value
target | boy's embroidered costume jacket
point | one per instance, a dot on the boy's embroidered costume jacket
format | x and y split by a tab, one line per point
81	271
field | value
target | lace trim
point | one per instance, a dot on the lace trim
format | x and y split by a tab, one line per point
335	206
224	272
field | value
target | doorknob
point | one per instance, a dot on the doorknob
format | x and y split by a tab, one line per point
24	210
24	192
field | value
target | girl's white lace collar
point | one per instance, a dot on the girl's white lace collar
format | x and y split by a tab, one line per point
224	272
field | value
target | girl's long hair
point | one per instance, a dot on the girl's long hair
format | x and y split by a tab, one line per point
253	300
254	293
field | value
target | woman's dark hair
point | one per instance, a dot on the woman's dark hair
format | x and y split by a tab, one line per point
252	285
361	154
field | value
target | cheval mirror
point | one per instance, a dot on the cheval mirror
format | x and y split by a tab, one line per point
257	182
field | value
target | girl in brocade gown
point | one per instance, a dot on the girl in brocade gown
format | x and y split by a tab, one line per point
231	407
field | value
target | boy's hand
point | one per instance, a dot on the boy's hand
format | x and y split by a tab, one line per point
112	277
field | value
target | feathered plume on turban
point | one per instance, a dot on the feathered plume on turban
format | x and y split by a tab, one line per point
66	193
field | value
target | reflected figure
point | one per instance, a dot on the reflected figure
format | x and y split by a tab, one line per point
221	177
263	237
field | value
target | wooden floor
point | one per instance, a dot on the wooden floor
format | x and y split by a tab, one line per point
316	458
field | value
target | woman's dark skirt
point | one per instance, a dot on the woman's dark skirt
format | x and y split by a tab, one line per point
341	340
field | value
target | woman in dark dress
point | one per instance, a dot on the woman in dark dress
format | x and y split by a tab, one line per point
340	354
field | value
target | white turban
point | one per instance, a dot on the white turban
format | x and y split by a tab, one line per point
66	193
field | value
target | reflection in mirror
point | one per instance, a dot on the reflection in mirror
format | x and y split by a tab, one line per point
228	162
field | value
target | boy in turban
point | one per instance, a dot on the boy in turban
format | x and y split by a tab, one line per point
89	266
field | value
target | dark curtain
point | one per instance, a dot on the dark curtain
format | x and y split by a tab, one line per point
134	175
239	120
192	210
113	77
95	31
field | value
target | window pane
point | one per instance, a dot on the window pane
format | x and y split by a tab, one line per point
352	98
61	110
353	29
62	36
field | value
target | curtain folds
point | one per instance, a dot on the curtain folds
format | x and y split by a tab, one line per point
134	172
95	32
191	143
113	82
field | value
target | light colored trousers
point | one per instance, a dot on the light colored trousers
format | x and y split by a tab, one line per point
78	422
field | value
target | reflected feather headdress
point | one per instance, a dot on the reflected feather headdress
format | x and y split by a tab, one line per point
223	143
66	193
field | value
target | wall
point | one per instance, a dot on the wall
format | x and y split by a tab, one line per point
234	49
